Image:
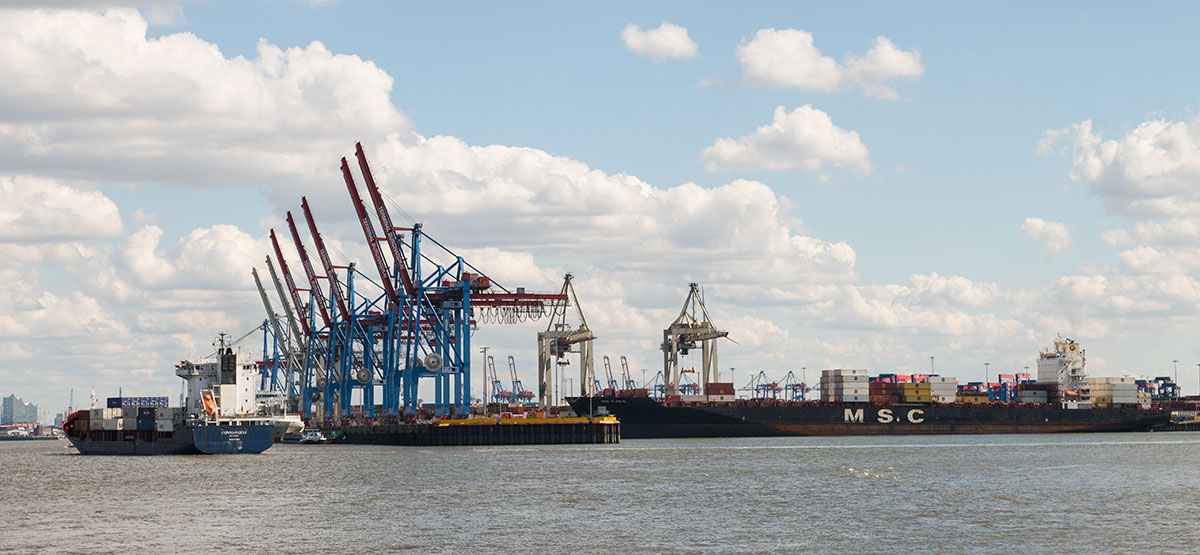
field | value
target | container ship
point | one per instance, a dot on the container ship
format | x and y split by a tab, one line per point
218	416
853	403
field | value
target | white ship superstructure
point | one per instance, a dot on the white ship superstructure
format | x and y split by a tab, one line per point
1064	365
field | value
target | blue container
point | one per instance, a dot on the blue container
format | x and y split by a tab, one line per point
114	402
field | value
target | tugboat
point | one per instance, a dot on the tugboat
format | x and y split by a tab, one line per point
217	419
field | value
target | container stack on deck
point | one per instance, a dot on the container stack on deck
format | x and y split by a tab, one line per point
884	393
1114	392
942	389
1033	393
916	392
845	386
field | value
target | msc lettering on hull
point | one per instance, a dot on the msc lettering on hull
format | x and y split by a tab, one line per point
884	416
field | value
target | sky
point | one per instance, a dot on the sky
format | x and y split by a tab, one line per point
854	184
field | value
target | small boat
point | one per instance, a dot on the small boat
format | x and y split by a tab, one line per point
311	437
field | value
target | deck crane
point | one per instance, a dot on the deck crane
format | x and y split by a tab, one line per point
612	388
499	394
629	383
793	389
693	328
557	341
520	394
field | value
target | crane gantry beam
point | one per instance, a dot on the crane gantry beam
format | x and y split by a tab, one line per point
335	286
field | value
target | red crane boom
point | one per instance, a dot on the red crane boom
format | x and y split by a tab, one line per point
335	286
318	297
385	220
369	230
287	276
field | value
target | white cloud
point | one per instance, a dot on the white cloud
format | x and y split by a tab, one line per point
666	41
173	108
803	139
790	58
1150	171
1052	237
35	209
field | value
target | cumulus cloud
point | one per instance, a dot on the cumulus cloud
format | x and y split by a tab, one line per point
666	41
1052	237
35	210
790	58
803	139
174	108
1151	171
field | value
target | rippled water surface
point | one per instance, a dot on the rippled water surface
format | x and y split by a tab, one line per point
1061	493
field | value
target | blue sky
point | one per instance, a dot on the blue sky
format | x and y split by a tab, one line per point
493	110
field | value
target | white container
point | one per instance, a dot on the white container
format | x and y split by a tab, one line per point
129	412
942	379
112	424
693	398
855	398
164	413
96	414
164	425
113	414
721	398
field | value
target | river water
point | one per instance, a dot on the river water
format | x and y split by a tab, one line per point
1136	492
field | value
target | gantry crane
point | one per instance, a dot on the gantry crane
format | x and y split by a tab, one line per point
612	388
520	394
692	329
499	394
794	389
419	327
629	383
558	340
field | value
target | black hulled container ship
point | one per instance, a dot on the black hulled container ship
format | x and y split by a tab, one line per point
852	403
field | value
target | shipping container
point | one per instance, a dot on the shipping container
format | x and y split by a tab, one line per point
164	425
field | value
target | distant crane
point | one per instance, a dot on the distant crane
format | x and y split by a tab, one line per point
761	387
793	389
612	384
518	391
629	383
688	386
499	394
657	386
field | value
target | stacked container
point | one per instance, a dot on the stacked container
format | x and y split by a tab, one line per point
884	393
1033	393
942	389
972	397
844	386
1120	392
916	393
719	391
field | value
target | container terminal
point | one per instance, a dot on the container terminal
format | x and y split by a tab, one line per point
342	337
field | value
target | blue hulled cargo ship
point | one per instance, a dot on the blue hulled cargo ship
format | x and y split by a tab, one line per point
218	418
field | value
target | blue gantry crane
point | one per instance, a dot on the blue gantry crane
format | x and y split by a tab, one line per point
410	324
